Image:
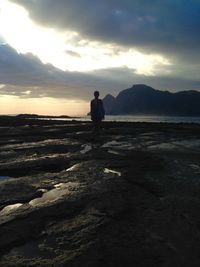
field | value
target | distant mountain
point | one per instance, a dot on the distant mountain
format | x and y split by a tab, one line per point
36	116
141	99
109	102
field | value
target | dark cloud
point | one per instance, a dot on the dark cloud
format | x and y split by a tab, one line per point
25	72
167	26
24	75
20	69
170	83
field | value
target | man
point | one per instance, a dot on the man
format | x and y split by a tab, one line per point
97	112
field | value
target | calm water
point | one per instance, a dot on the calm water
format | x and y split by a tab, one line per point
132	118
155	119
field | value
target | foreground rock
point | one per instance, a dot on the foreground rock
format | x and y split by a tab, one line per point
127	198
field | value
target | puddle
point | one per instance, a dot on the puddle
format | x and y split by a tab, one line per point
150	134
74	167
42	190
165	146
10	208
112	143
53	195
182	144
36	157
106	170
7	153
119	145
195	166
69	185
36	144
79	133
31	250
59	185
55	155
3	178
195	143
86	148
147	143
113	152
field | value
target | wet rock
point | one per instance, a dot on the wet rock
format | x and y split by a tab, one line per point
129	197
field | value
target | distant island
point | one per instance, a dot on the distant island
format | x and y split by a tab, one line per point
141	99
36	116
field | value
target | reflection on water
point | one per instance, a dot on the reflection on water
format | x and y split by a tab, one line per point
32	250
164	146
2	178
193	144
117	144
42	190
10	208
74	167
195	167
106	170
112	143
58	192
113	152
49	196
86	148
7	153
143	118
59	185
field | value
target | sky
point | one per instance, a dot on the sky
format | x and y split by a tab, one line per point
55	54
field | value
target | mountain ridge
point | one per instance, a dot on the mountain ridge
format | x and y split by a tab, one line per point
141	99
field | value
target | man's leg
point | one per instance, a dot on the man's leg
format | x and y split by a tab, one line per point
97	126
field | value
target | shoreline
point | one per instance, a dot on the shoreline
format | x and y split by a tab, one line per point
51	120
20	120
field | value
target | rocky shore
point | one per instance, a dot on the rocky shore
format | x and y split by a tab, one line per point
130	197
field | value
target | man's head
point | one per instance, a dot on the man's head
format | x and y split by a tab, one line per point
96	94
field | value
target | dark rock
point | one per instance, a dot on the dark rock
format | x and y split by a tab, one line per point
127	198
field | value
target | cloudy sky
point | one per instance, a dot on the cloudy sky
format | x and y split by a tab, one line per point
54	54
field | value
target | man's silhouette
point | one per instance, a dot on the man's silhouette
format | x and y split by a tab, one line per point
97	112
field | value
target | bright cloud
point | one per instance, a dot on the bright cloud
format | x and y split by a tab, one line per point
67	50
21	33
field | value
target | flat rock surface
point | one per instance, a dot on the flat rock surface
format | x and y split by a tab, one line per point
128	197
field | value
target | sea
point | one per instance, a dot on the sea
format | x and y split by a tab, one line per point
139	118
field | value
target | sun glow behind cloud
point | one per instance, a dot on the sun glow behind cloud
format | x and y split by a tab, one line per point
68	50
21	33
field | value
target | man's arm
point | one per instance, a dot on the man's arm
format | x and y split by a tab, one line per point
91	107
